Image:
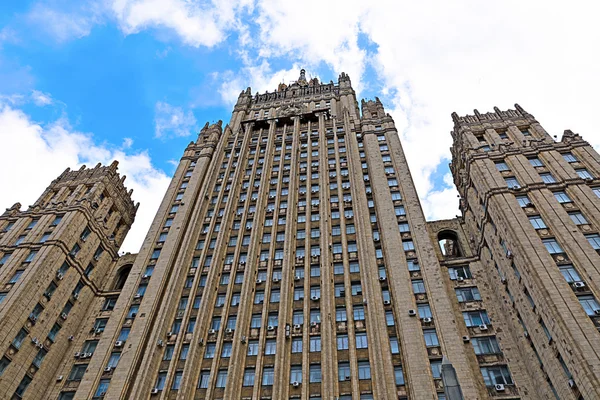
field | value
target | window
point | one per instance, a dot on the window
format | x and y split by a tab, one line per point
296	374
56	328
562	197
584	174
535	162
226	350
340	314
467	294
547	178
394	346
23	386
297	345
475	318
359	313
113	361
203	380
590	305
16	276
177	380
77	372
32	255
344	371
361	341
424	311
418	286
342	342
389	318
552	246
512	182
578	218
364	370
109	304
459	272
436	369
408	245
501	166
431	339
496	375
315	373
485	345
222	378
537	222
594	240
315	344
569	273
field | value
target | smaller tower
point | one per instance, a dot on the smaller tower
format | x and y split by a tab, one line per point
55	258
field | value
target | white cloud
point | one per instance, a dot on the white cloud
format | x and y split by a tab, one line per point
197	23
74	22
40	153
172	121
40	98
127	143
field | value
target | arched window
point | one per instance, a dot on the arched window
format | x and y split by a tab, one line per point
122	277
448	241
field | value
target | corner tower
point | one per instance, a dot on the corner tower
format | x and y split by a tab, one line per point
54	261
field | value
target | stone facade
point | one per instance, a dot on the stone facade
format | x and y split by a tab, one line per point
290	259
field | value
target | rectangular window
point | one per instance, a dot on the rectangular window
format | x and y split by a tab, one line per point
248	377
578	218
475	318
501	166
594	240
364	370
562	197
467	294
535	162
537	222
552	246
547	178
512	183
315	373
590	305
361	341
431	339
496	375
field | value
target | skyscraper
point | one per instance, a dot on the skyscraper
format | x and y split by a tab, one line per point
290	259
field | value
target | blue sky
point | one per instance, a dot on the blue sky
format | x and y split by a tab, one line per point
89	81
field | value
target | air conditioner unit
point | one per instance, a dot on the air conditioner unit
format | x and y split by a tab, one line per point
427	320
382	279
154	391
386	302
483	327
503	280
509	254
315	298
270	328
297	326
314	324
259	281
145	276
63	316
578	285
75	296
597	312
295	384
137	296
466	339
499	387
516	187
460	279
572	383
77	355
412	312
160	343
60	276
376	240
275	280
229	330
297	278
59	378
212	331
71	338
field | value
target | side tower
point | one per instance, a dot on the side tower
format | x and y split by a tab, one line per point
531	213
55	258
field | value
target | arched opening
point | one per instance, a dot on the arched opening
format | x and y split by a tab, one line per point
122	277
448	241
